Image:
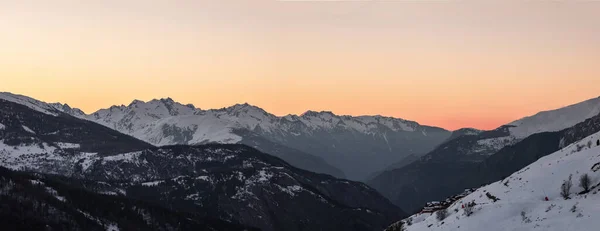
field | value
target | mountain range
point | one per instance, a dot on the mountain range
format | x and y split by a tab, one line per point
342	146
233	185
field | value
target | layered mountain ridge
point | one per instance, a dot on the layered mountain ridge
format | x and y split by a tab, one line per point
233	183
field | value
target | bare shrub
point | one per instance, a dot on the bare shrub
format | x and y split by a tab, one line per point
565	188
584	182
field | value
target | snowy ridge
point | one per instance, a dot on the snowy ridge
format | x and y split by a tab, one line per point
555	120
546	121
29	102
522	204
158	121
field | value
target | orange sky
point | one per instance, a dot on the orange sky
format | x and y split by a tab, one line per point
446	63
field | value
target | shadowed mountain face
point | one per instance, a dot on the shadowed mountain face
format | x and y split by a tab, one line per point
360	154
39	202
230	182
243	185
472	160
320	141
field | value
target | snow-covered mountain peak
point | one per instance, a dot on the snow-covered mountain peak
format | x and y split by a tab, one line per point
140	115
322	116
290	117
245	108
167	100
245	116
318	114
162	108
68	109
135	102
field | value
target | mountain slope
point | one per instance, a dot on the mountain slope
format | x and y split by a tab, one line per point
23	124
467	161
30	103
521	203
356	145
413	157
464	132
246	186
300	159
38	202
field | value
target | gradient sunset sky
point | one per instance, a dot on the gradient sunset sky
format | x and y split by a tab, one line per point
445	63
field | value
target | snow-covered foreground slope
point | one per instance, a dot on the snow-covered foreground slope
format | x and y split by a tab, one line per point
522	204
